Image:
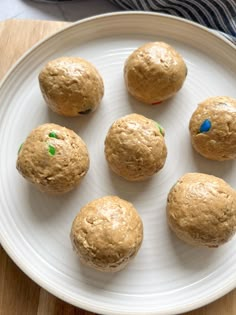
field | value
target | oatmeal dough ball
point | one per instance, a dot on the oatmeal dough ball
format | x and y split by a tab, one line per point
154	72
53	158
71	86
107	233
135	147
201	210
213	128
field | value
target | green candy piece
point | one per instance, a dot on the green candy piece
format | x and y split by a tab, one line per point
20	148
51	150
161	129
52	134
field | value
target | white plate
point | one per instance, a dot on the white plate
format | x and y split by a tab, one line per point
167	276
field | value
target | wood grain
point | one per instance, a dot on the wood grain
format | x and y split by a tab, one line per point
18	294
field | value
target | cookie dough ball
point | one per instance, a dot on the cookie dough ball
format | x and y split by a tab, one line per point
201	210
213	128
107	233
154	72
53	158
71	86
135	147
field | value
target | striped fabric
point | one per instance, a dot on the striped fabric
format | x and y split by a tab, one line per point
216	14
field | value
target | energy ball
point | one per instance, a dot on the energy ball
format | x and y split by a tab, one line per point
154	72
53	158
213	128
107	233
135	147
201	210
71	86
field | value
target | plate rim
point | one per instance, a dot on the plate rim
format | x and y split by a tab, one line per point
32	273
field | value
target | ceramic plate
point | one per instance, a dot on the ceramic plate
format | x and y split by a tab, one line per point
167	276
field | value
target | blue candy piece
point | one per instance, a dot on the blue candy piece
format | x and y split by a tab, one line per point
205	126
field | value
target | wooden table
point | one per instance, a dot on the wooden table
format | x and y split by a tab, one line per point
18	294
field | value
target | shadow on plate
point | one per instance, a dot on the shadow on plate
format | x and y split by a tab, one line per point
216	168
131	191
77	124
150	111
45	207
96	280
191	257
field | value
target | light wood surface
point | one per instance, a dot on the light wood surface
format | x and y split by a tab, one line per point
18	294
